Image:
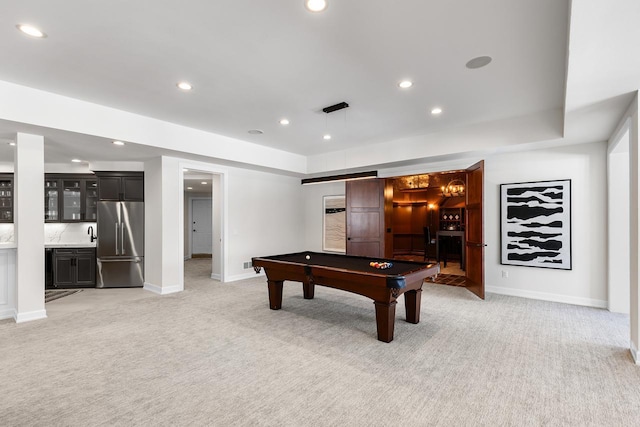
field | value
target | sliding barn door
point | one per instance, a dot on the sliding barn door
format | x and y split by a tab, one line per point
365	217
474	230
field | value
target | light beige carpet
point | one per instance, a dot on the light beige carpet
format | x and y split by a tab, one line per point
216	355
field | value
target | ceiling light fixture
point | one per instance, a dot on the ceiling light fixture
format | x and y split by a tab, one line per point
13	144
76	160
189	188
184	85
405	84
315	5
326	137
185	170
255	132
436	111
31	31
204	183
118	143
454	188
479	62
284	122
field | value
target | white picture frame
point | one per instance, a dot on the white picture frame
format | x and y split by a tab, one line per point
334	224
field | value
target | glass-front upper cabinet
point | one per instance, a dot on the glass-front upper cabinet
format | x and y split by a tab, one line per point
70	198
91	200
6	198
51	201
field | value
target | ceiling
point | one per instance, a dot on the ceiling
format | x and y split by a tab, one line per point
252	63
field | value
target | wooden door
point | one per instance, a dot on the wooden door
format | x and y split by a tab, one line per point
474	229
365	217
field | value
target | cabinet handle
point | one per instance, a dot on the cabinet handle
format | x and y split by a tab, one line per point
122	238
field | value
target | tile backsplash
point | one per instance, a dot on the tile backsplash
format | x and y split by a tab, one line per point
55	232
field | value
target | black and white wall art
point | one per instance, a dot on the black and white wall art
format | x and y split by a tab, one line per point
535	220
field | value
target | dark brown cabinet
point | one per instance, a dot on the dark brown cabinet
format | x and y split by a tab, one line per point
6	197
74	268
121	186
70	198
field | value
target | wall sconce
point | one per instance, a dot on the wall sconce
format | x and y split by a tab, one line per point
454	188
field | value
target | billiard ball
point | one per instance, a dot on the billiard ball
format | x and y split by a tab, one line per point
308	257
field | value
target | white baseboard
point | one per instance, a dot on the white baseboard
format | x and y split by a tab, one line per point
634	353
7	313
187	257
566	299
216	276
30	315
248	275
162	290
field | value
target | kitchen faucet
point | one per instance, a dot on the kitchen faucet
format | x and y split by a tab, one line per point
90	232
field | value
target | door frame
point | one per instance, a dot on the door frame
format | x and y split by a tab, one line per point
221	189
460	165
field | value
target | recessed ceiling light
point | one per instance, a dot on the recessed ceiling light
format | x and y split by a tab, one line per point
255	132
327	137
204	183
118	143
185	86
189	188
479	62
12	144
284	122
405	84
185	170
436	111
76	160
31	31
315	5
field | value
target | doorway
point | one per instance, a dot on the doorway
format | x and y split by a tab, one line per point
204	221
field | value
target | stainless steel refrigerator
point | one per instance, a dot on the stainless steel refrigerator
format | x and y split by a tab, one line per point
120	246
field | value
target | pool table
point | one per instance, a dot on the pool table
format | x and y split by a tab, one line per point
352	274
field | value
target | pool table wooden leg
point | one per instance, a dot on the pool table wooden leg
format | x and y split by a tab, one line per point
412	301
275	294
385	319
308	290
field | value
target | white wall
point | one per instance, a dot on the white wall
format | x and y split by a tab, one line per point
618	225
313	214
585	165
266	216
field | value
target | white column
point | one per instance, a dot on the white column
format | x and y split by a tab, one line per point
634	230
29	227
164	246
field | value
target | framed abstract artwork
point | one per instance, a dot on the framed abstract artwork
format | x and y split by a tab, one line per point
334	230
535	224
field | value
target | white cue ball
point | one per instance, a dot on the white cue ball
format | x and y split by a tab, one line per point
308	257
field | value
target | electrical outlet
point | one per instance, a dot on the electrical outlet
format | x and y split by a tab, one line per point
505	274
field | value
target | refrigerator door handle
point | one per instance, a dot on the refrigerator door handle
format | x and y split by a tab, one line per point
122	238
117	251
